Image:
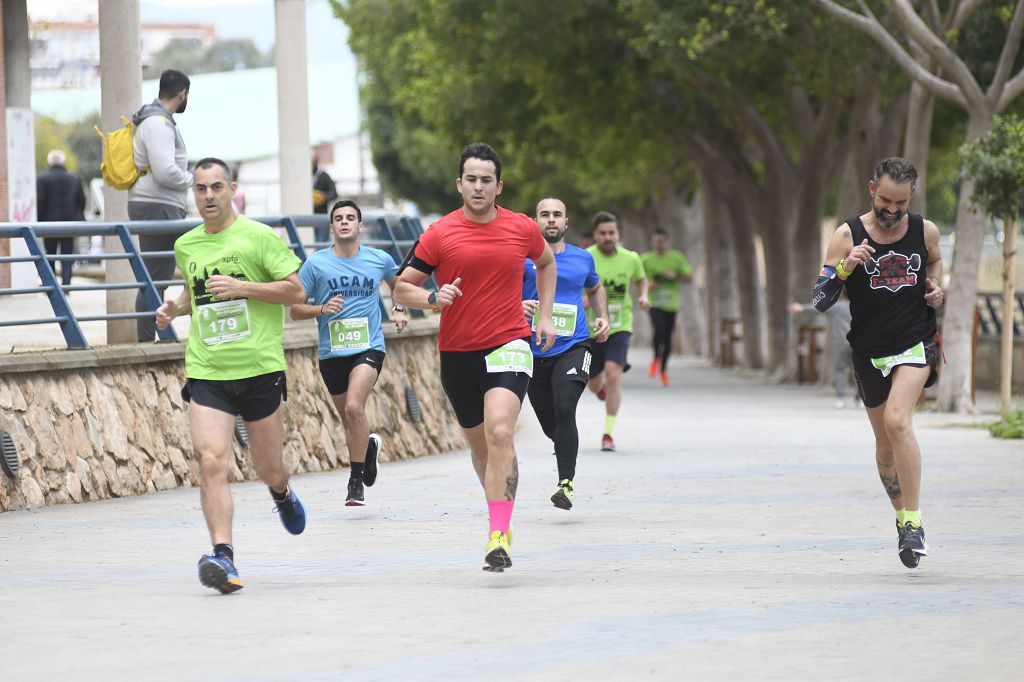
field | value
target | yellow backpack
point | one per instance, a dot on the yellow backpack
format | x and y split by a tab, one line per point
118	166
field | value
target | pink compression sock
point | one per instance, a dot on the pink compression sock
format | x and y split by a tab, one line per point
500	512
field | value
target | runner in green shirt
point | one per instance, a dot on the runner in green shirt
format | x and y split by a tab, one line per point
666	268
618	268
238	276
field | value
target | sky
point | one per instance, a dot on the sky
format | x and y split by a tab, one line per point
327	37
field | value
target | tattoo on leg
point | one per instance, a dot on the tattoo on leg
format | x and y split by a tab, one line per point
890	481
512	482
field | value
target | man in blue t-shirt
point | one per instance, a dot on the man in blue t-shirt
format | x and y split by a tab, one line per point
560	373
343	282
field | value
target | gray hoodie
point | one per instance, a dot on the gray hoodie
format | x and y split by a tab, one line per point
158	145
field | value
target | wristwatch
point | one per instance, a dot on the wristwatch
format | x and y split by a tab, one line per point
398	308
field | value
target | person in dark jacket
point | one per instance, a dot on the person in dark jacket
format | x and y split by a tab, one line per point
59	197
324	194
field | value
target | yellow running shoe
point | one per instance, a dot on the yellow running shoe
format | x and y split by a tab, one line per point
563	494
498	555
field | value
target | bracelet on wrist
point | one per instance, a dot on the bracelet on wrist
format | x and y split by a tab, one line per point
841	271
322	308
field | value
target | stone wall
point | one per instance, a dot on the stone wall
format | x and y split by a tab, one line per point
110	422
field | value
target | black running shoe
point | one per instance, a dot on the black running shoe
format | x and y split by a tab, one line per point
372	455
912	545
355	493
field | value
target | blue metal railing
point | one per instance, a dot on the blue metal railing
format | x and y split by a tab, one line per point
380	233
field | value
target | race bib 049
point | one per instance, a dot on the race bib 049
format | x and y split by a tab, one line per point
224	321
350	334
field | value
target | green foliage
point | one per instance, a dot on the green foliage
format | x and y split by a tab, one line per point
1010	426
996	165
52	135
223	55
79	142
87	146
594	101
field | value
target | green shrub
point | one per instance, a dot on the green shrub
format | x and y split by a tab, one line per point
1010	426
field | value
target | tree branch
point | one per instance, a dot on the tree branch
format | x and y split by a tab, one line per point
1014	88
944	56
1009	54
873	29
960	13
934	16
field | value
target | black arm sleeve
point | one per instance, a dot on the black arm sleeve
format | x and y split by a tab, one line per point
412	260
827	289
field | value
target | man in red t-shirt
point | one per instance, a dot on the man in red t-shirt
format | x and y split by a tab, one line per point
476	253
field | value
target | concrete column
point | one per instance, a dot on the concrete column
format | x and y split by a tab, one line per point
19	136
120	86
293	107
17	74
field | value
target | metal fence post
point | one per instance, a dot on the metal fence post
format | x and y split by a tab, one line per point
149	293
293	237
58	301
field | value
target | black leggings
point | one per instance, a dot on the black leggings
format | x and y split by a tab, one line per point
664	321
554	394
66	246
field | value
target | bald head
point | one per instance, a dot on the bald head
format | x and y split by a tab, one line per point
552	219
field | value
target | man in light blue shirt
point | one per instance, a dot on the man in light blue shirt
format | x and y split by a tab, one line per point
560	373
343	282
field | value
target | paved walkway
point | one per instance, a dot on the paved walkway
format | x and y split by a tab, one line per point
739	531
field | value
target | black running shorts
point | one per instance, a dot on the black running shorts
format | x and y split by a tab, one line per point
465	379
335	371
571	366
615	349
874	388
254	398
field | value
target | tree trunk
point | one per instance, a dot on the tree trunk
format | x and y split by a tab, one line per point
917	144
685	225
955	387
1006	349
748	283
864	121
719	276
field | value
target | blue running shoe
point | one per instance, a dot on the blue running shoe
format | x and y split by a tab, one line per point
219	573
292	511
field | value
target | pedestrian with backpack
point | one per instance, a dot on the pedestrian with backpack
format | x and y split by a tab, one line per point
161	192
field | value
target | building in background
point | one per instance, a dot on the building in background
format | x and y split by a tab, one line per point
249	139
66	54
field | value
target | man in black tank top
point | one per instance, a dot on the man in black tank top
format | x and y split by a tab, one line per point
890	264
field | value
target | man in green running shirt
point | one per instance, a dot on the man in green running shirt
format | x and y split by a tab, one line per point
238	277
666	268
618	268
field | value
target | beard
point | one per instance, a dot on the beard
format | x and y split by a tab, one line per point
555	239
886	221
181	107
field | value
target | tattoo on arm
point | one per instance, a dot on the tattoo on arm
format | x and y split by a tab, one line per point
890	481
847	236
512	482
